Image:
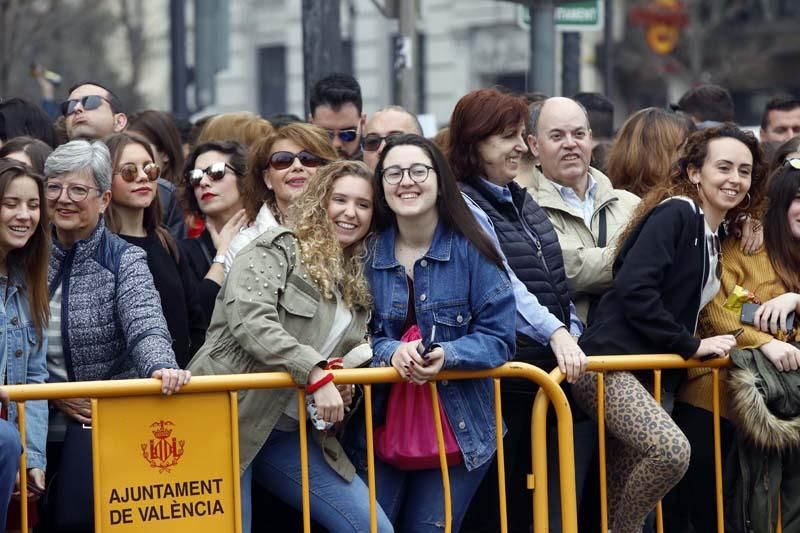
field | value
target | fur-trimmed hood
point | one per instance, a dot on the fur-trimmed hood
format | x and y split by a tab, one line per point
765	402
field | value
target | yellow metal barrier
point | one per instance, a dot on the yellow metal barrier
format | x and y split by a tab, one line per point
602	364
549	388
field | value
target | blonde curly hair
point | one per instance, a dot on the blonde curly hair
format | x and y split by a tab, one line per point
327	264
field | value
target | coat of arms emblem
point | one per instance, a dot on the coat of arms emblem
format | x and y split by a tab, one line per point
164	451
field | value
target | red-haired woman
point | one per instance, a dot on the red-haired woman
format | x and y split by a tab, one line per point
484	149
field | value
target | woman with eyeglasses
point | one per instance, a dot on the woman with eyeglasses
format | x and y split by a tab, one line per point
278	170
666	271
772	276
106	320
135	215
292	300
212	191
432	266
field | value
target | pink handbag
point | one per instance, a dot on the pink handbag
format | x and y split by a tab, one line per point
407	440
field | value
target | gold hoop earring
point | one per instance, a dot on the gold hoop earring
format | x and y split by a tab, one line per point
748	203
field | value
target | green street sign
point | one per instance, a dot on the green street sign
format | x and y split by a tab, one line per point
579	15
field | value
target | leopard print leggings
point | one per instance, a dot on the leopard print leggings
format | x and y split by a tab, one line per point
648	452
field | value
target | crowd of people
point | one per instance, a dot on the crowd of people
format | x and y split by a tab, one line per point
526	230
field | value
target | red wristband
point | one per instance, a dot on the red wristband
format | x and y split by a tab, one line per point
321	382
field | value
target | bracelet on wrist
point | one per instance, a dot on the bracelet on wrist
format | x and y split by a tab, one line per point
321	382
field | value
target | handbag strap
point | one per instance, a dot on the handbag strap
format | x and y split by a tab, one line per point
601	237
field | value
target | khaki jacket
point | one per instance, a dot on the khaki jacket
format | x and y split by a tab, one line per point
588	266
270	317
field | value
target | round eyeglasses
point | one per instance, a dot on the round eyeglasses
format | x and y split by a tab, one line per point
418	172
75	191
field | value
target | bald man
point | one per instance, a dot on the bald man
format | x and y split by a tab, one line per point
388	121
587	212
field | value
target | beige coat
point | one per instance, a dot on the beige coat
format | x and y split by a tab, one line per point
270	317
588	266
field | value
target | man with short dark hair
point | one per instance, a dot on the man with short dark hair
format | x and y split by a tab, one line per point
601	115
388	121
708	104
335	104
781	119
92	112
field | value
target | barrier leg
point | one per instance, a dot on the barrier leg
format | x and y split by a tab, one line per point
23	469
373	511
501	457
717	449
657	396
437	418
601	439
301	411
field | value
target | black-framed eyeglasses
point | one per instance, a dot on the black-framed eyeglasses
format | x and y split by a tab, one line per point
215	171
346	136
373	141
418	172
92	101
793	162
75	191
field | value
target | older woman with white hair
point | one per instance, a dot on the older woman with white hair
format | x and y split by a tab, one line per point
105	315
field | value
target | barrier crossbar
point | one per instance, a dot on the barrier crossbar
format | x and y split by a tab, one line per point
602	364
549	388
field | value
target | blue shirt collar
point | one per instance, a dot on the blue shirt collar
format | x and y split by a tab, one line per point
500	193
383	256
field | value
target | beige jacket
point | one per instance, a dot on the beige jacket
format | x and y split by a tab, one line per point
270	317
588	266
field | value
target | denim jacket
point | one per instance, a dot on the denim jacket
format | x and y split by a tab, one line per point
471	302
25	362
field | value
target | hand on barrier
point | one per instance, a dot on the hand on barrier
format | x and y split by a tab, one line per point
771	316
35	484
571	359
405	357
782	355
347	392
433	363
330	406
717	346
172	379
79	409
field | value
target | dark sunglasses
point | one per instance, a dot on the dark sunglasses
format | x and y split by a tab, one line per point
129	171
283	160
93	101
373	141
346	136
215	171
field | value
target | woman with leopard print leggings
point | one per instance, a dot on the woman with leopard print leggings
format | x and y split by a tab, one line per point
667	269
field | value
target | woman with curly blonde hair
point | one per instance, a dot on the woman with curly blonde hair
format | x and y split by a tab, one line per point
334	215
293	300
279	168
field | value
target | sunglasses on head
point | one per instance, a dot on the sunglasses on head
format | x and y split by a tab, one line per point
283	160
93	101
129	171
215	171
793	162
373	141
346	136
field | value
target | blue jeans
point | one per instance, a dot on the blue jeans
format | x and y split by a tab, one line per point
10	450
415	498
335	504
